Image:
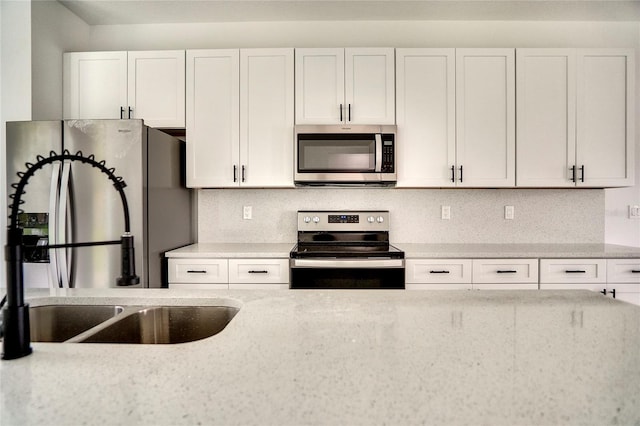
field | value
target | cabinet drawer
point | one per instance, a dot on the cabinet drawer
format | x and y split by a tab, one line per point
623	271
265	271
427	271
583	271
496	271
209	271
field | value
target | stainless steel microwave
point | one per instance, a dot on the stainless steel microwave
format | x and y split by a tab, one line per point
345	154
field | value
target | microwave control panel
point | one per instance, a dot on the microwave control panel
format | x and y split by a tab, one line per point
388	163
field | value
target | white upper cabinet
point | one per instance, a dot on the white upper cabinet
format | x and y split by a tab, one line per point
95	85
605	117
575	118
352	86
240	118
425	102
156	87
266	117
147	85
485	117
213	117
546	108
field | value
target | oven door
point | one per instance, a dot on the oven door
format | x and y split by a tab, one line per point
347	273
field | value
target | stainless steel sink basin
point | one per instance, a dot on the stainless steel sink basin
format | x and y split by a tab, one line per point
165	324
57	323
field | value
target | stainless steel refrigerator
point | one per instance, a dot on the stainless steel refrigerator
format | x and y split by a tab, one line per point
74	202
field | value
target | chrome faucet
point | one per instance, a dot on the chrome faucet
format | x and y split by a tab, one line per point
17	338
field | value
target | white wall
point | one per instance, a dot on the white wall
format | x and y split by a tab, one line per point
54	30
613	224
15	85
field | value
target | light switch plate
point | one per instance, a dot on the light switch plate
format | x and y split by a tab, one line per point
509	212
634	212
247	212
445	212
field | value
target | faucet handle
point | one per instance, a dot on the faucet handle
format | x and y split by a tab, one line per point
128	264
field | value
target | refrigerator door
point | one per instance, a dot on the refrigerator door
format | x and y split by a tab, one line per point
26	140
94	211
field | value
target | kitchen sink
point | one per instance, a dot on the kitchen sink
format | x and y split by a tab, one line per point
127	324
58	323
165	324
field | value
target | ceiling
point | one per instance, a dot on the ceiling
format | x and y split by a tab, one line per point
113	12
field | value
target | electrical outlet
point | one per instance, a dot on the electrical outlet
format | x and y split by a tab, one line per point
509	212
445	212
634	212
247	212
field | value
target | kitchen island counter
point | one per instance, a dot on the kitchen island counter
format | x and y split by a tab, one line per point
346	357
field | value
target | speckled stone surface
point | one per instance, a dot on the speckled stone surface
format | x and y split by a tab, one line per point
245	250
412	250
602	251
347	358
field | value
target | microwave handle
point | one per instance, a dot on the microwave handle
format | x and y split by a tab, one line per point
378	153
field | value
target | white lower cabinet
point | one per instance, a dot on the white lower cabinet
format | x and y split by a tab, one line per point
222	274
617	278
259	274
503	274
623	279
478	274
438	274
199	273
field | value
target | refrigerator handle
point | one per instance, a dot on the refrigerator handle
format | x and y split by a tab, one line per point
63	261
54	272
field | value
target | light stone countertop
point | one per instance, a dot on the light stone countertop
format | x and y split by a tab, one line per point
518	250
346	358
414	250
229	250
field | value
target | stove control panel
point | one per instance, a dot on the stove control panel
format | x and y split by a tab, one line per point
364	220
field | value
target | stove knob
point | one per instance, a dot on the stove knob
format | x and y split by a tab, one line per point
371	219
380	219
307	219
316	219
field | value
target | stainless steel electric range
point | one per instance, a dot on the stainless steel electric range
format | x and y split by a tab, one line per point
345	250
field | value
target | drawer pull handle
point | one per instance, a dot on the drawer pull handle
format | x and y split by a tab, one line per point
259	272
575	271
635	271
191	271
438	272
507	271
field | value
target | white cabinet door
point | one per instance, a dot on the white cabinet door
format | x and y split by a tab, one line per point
213	117
605	117
95	85
573	271
259	271
156	87
266	117
319	86
370	86
438	274
505	273
485	117
546	114
198	271
352	86
425	102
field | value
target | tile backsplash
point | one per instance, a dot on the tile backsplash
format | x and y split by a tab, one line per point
477	215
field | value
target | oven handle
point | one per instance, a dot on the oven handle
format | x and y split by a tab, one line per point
347	263
378	168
